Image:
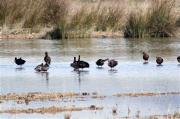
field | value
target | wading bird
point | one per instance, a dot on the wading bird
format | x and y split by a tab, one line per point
159	60
42	67
145	57
19	61
79	64
112	63
100	62
47	59
178	59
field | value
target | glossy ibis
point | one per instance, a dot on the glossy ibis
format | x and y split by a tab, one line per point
100	62
47	59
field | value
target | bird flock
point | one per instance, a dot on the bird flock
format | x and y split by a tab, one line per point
80	64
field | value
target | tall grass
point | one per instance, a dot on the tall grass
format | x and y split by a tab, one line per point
99	17
79	18
30	13
178	22
159	21
136	25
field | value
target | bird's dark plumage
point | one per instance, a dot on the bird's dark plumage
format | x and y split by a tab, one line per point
100	62
83	64
159	60
47	58
19	61
74	64
42	67
178	59
145	56
79	64
112	63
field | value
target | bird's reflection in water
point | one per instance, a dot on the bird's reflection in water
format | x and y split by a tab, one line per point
80	74
100	67
45	75
19	69
113	71
159	65
145	63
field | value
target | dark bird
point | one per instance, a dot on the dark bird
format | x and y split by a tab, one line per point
19	61
112	63
79	64
145	57
178	59
82	64
74	64
100	62
47	59
42	67
159	60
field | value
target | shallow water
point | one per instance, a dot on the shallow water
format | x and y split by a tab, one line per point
131	75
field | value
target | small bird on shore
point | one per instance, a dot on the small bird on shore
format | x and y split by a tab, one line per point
47	59
19	61
112	63
100	62
42	67
178	59
145	57
159	60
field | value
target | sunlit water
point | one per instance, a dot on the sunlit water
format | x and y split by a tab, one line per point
130	76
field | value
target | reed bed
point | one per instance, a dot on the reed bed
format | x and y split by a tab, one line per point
80	18
158	20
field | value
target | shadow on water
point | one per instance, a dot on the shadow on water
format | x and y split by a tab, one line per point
159	65
45	75
19	69
113	71
100	67
80	74
145	63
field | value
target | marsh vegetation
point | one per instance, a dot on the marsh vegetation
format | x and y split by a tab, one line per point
77	18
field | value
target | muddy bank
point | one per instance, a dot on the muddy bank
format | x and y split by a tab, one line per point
46	36
55	110
146	94
51	110
33	96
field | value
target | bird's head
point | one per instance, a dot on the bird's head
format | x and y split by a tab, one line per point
143	53
79	58
46	53
74	59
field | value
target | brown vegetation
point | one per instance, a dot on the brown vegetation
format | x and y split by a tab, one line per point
75	18
157	20
51	110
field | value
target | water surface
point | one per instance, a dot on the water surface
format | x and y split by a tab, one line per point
130	76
